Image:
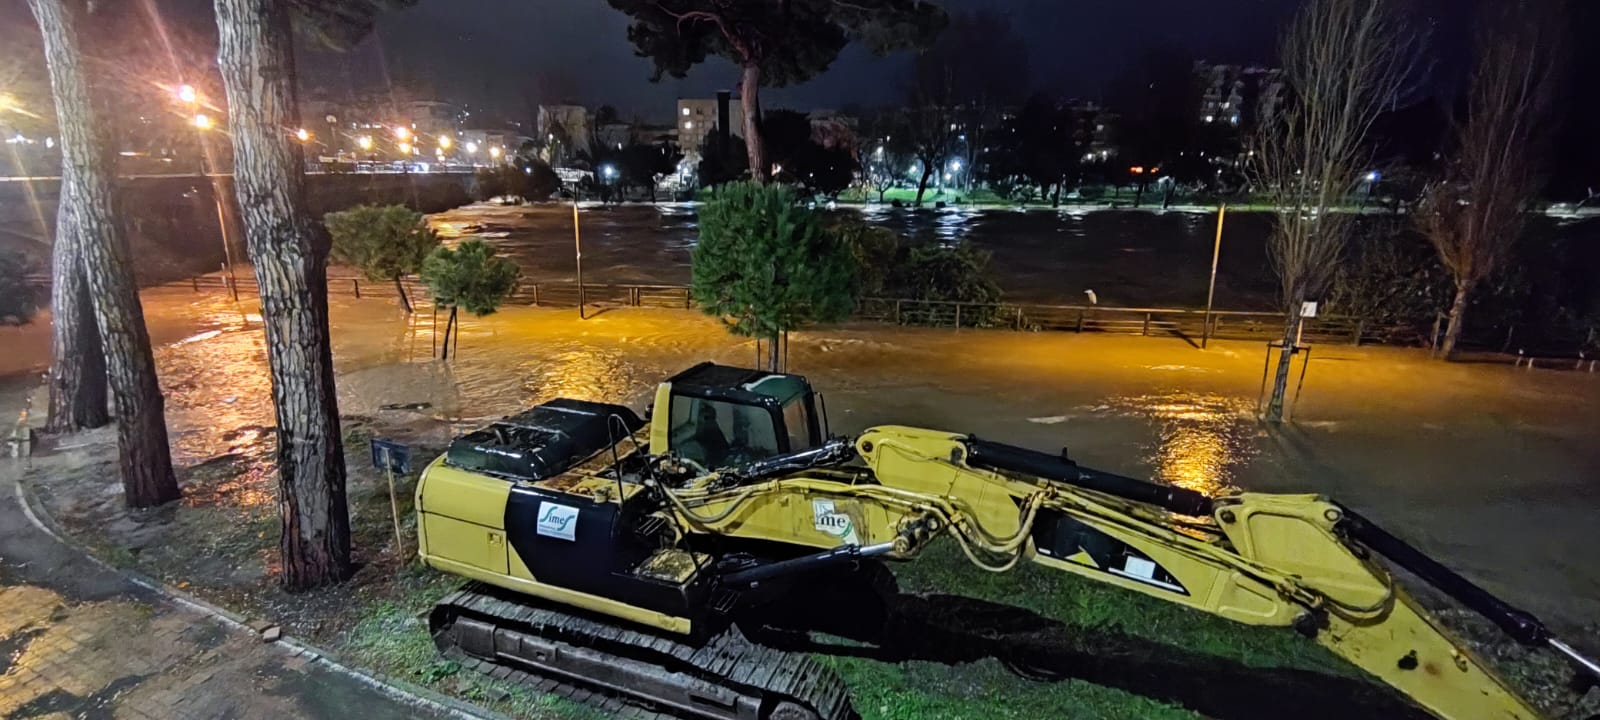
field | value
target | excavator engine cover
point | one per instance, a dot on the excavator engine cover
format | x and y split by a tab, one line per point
543	442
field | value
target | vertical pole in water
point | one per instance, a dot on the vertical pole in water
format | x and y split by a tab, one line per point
1211	291
577	248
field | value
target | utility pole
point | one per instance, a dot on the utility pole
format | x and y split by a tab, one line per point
577	248
1211	291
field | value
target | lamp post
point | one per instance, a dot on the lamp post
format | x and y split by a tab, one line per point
189	97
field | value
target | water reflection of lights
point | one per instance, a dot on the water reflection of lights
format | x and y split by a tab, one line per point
1202	437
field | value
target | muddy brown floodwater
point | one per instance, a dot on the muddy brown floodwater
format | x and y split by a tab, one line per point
1490	468
1129	258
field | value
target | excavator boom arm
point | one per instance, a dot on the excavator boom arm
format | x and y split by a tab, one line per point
1280	560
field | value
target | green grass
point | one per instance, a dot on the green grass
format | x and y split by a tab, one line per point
1095	618
922	690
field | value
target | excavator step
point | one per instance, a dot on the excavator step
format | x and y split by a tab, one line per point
634	673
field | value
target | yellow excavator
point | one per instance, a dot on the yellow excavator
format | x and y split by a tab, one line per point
614	556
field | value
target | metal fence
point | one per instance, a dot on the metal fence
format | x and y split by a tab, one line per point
1178	322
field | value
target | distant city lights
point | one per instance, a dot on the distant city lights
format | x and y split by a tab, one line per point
472	147
402	132
202	121
494	152
405	148
445	142
365	141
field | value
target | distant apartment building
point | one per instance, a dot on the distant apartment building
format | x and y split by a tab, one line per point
563	130
1238	95
431	118
697	118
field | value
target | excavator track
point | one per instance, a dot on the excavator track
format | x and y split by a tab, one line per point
633	673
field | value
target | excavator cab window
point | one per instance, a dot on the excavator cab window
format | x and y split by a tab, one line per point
717	433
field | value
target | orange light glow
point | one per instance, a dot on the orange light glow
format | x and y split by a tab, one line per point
1137	169
302	135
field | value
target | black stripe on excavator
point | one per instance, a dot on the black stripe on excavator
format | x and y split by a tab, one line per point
1009	458
572	542
1521	625
1062	537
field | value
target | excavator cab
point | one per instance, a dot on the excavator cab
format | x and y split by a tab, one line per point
716	416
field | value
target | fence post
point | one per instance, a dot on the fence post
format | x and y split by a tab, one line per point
897	313
536	294
1433	339
1361	326
1080	319
1146	331
686	298
356	283
958	316
1019	317
195	280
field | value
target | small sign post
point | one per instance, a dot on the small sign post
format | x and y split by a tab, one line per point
1308	309
392	457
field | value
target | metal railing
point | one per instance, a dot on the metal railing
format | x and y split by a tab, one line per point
1038	317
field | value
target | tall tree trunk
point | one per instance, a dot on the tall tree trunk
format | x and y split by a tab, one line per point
444	350
773	353
289	250
77	361
922	183
1458	309
750	104
405	302
1138	193
145	459
1280	379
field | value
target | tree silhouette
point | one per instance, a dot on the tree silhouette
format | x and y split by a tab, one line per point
775	44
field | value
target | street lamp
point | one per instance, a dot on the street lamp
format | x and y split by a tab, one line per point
202	123
405	148
445	142
472	148
402	132
608	171
494	152
302	135
365	141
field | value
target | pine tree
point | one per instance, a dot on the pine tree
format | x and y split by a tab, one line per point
774	43
766	265
386	243
468	276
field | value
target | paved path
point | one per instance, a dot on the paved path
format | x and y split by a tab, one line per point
80	641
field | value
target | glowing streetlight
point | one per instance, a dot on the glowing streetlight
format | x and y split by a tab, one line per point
187	94
445	142
472	148
494	152
955	165
365	141
202	121
1372	177
302	135
608	171
402	132
405	148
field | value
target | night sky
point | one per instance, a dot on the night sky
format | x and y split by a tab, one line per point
578	49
